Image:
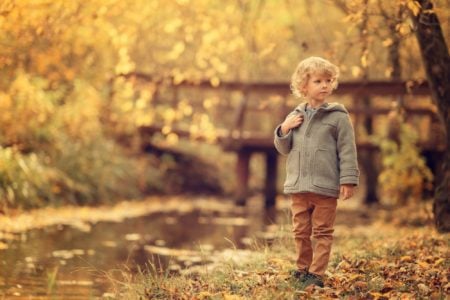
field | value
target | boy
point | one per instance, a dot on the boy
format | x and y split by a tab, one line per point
319	140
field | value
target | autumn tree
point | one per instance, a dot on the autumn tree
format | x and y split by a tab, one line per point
55	60
436	59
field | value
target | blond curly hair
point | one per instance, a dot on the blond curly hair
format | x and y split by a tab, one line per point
309	66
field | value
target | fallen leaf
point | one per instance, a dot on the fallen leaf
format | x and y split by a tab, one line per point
361	285
406	258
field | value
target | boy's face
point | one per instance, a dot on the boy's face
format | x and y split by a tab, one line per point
318	87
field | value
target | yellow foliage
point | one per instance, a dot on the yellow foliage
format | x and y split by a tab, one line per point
356	71
185	108
215	81
26	110
172	139
403	29
177	50
414	6
387	42
404	173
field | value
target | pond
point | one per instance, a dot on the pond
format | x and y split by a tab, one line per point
77	261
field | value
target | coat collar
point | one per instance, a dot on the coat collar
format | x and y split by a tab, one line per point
328	107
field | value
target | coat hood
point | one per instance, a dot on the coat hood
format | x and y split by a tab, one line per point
327	107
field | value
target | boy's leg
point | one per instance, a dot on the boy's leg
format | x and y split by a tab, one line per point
323	216
301	221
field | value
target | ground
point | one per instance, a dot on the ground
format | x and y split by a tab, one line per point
387	254
378	253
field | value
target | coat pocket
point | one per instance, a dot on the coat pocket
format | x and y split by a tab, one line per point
325	170
292	168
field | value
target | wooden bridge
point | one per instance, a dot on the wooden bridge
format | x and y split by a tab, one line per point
247	113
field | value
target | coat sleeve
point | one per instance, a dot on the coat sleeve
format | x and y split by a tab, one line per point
346	147
283	143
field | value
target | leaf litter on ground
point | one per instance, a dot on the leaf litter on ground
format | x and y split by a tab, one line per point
393	259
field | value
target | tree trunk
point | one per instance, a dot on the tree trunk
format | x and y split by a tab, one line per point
368	160
436	60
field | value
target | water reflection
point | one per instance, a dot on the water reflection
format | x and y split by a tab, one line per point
71	261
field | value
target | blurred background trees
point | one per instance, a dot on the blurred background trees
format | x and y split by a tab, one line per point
71	102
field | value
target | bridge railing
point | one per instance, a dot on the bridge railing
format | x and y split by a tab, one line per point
242	109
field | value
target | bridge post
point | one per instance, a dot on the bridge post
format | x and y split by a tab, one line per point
366	158
242	172
270	187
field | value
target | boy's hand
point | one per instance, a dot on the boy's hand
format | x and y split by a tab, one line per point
347	191
291	122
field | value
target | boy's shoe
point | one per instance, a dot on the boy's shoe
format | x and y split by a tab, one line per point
312	279
299	275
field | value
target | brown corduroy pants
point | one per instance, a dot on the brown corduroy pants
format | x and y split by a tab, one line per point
313	216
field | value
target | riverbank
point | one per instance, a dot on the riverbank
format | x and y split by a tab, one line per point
84	216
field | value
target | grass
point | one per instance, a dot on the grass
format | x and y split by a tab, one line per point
378	261
51	280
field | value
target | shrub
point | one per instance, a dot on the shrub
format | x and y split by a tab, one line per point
404	174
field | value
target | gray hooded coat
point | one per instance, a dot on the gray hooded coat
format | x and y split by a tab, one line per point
321	151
